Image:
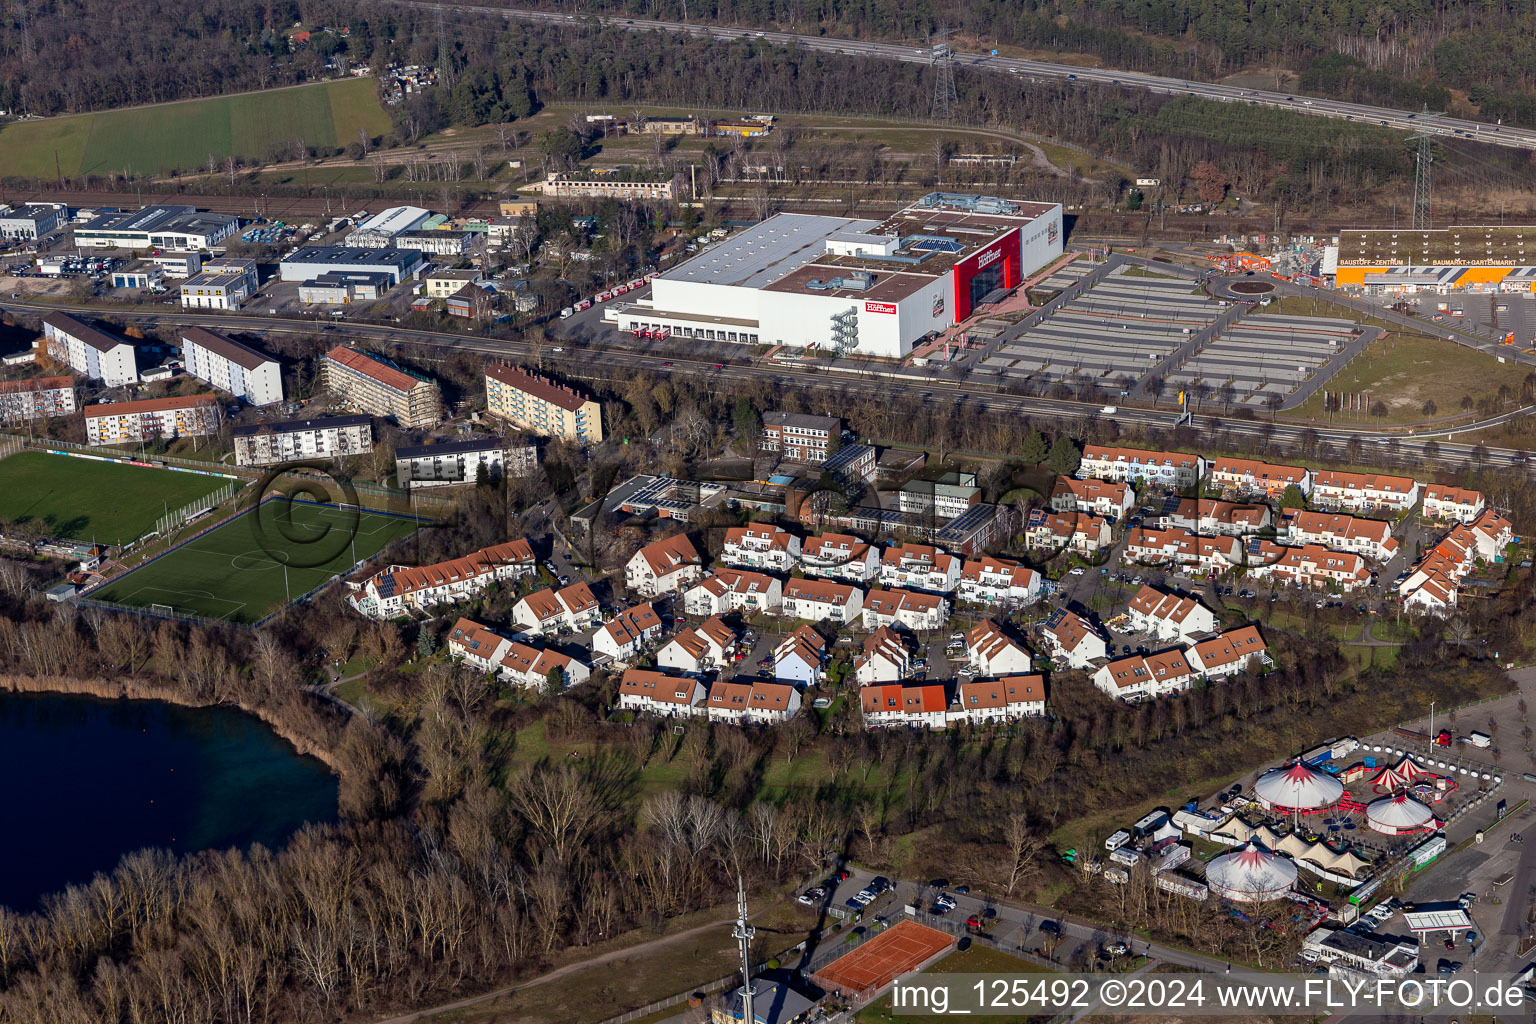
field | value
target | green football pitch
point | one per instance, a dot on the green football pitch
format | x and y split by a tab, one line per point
236	570
87	500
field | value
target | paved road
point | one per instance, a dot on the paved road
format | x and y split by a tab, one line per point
1036	70
613	366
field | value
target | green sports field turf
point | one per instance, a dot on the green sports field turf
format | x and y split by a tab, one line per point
233	572
82	499
168	136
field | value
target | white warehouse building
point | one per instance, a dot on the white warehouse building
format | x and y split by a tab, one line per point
849	285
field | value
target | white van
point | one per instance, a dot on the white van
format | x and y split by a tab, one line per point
1117	840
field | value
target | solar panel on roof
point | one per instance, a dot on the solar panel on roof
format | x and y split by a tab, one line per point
1254	545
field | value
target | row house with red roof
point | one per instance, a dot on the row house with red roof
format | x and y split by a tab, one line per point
627	634
761	546
1142	677
840	556
754	702
1308	565
732	590
549	610
1213	516
991	652
906	608
884	659
993	581
919	567
799	657
1072	639
929	705
916	705
815	600
660	694
1434	581
521	664
698	649
1196	552
1169	616
1364	492
398	589
1371	538
1081	532
1447	504
663	566
1111	499
1250	476
1141	466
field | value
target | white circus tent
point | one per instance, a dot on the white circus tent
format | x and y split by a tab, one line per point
1298	787
1250	874
1399	814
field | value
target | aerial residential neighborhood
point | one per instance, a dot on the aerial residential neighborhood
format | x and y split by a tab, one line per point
617	514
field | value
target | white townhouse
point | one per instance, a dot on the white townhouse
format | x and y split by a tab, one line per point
730	590
477	645
1169	616
698	649
1213	516
230	366
752	703
573	608
906	608
1452	504
1308	565
985	701
1432	584
1181	547
814	600
760	546
626	634
1152	675
919	567
661	694
663	566
89	351
1371	538
1111	499
1229	653
885	659
1249	476
999	581
1142	466
1073	639
840	556
398	589
1364	492
921	705
1082	532
530	667
993	653
799	656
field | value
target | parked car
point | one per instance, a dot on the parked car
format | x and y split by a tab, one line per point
974	921
810	896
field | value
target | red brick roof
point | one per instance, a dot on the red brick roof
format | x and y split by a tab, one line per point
539	387
149	405
362	362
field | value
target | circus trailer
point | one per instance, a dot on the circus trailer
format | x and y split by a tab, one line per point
1171	858
1427	851
1181	885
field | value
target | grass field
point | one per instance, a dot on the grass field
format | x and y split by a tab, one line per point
231	572
170	136
82	499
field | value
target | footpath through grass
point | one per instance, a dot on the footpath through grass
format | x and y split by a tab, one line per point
235	571
83	499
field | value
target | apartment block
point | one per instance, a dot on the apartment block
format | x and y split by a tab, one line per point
263	444
132	422
230	366
372	384
90	351
541	406
36	398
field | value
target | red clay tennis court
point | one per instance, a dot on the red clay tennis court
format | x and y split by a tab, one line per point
902	948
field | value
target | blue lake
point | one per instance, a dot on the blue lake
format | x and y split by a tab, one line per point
88	780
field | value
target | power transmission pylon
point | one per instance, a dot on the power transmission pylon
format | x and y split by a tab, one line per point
1422	219
942	58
